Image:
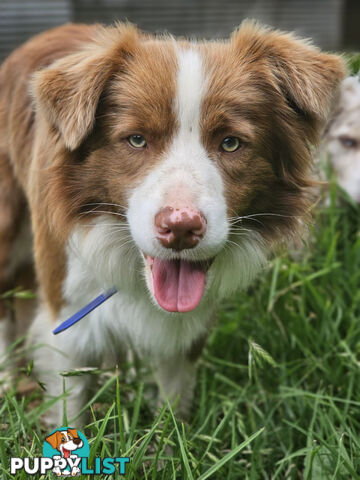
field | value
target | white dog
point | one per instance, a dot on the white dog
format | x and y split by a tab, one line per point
342	138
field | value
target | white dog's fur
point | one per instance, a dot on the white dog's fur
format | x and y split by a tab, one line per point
98	258
342	138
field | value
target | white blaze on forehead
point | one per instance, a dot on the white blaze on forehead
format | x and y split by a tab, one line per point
191	84
186	177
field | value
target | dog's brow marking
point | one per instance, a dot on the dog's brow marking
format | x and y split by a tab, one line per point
190	88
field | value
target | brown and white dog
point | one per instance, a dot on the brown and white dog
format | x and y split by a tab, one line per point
66	442
165	168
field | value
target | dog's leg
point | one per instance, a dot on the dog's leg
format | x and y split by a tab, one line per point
52	356
11	205
74	388
7	335
176	376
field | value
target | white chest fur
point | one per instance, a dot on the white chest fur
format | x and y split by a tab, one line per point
96	262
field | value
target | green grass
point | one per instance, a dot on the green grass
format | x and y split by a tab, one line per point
353	60
278	391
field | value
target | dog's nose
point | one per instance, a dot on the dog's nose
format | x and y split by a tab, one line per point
77	441
179	228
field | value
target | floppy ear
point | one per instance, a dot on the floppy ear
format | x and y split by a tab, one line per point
54	439
308	78
73	432
68	91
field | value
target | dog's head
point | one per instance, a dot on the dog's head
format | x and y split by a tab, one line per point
65	441
192	156
342	138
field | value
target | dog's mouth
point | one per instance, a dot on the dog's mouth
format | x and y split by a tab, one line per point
178	285
66	452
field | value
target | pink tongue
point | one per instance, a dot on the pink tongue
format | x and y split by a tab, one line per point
66	453
178	285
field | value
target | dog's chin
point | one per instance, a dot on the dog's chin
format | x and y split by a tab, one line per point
176	285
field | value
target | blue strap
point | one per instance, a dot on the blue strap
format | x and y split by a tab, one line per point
84	311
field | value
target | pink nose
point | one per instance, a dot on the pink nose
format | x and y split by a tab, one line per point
179	228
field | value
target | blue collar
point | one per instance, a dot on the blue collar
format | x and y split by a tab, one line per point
84	311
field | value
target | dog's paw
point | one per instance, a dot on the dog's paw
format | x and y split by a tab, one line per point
75	471
57	471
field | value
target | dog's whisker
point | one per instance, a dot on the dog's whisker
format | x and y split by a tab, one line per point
103	211
121	226
122	245
234	220
108	226
238	230
239	220
232	242
105	203
265	214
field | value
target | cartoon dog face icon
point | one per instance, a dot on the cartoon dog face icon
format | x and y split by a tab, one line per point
65	441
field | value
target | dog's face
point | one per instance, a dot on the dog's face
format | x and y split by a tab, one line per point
193	156
343	138
66	441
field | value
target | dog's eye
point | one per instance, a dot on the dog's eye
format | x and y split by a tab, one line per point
348	142
230	144
137	141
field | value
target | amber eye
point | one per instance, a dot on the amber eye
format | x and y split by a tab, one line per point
137	141
230	144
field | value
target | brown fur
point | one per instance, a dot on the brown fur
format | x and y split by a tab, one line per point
274	92
55	438
73	176
16	142
12	213
67	146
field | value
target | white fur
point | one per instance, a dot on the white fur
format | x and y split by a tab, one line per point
130	316
185	177
109	253
345	160
236	266
7	331
51	357
69	444
5	336
176	378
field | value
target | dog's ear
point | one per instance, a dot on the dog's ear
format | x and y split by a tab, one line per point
54	439
68	91
308	78
73	432
303	84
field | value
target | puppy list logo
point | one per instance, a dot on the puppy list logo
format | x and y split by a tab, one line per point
66	453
